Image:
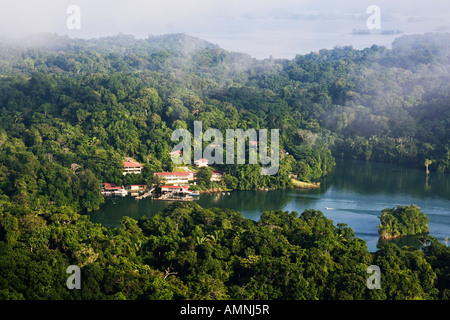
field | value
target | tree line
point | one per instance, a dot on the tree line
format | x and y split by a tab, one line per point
72	109
188	252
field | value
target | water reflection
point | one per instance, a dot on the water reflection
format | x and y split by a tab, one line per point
381	178
354	194
410	241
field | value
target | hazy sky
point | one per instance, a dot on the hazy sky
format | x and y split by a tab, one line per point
281	28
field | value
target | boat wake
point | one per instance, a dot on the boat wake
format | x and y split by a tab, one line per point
359	211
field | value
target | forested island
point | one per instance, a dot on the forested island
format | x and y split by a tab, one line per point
71	110
402	221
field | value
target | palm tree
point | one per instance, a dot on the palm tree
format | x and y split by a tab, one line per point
75	167
427	163
18	116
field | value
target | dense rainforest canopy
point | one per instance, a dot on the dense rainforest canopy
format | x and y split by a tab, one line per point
188	252
71	110
92	102
403	221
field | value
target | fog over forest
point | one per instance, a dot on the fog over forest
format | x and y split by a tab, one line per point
261	28
85	88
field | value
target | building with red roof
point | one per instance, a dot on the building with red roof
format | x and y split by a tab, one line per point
110	187
176	153
177	191
179	178
202	162
132	166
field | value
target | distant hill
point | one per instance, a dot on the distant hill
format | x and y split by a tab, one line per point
389	105
179	42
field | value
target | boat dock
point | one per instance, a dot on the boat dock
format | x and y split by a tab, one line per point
145	195
168	197
169	193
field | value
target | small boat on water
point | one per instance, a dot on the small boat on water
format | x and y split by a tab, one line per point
121	192
109	189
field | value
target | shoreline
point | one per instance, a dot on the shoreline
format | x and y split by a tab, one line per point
296	185
305	185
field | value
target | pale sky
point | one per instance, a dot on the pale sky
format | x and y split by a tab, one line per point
281	28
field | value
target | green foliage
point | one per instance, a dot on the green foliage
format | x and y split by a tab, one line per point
72	109
188	252
203	177
402	221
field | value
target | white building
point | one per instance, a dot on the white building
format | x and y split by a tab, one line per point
216	175
201	162
132	167
177	178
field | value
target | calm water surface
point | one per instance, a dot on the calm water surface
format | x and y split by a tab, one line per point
355	194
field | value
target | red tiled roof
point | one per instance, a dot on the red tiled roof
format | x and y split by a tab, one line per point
129	164
172	173
110	186
172	187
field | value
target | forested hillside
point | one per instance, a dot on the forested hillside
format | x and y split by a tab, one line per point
93	102
71	110
187	252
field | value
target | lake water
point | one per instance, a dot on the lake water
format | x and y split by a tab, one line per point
355	193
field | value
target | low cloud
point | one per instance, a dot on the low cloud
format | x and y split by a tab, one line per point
259	27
